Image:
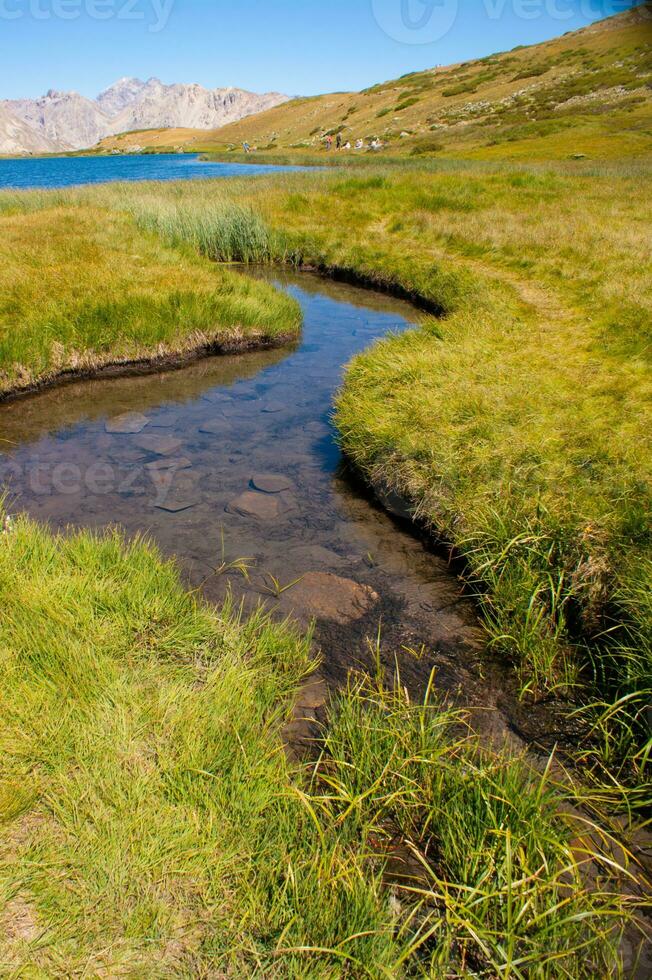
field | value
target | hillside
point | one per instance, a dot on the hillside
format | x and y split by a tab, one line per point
588	92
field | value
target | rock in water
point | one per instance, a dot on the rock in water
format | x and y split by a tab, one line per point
273	407
327	596
260	506
170	463
270	482
128	424
159	445
215	427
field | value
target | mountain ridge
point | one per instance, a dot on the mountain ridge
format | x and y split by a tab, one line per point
63	121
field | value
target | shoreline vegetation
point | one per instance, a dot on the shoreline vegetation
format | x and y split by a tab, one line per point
84	291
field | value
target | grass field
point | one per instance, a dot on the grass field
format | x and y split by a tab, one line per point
152	826
81	287
518	424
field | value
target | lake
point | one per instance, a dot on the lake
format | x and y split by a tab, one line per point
48	172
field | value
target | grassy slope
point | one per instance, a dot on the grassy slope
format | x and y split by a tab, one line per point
586	92
84	286
152	827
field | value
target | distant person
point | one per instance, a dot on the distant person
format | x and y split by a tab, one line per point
339	141
246	147
347	145
329	142
359	144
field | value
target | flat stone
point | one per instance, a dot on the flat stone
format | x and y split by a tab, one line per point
270	482
175	463
313	694
323	595
216	397
260	506
127	424
160	445
126	457
215	427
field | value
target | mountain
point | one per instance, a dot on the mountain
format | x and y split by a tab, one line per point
67	120
586	93
159	106
16	137
121	94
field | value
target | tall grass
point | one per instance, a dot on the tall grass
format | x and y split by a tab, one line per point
152	825
222	231
489	877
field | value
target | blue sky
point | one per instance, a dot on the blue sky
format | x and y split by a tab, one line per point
294	46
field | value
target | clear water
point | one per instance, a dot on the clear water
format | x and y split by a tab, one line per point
51	172
225	422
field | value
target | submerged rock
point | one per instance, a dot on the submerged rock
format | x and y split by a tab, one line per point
270	482
175	463
160	445
215	427
273	407
175	506
260	506
128	424
217	397
315	554
327	596
166	420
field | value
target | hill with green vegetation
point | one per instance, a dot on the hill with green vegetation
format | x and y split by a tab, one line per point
588	92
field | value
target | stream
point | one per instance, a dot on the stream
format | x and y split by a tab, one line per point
235	458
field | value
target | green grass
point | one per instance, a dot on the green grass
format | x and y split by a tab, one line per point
82	286
518	424
152	826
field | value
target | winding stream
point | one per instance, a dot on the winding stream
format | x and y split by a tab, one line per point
235	457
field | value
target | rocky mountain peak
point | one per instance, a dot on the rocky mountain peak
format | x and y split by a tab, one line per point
68	120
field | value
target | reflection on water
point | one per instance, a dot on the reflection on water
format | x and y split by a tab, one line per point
235	457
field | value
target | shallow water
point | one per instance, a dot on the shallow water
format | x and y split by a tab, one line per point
225	422
50	172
